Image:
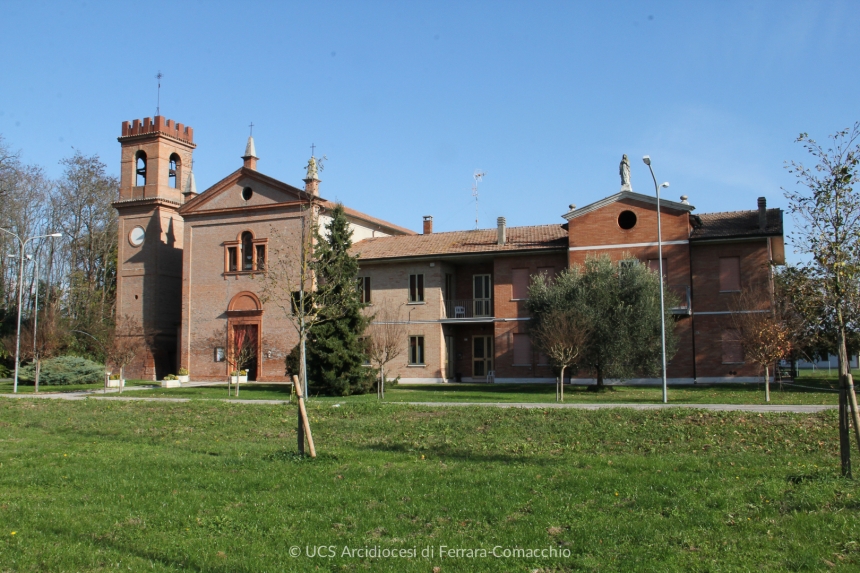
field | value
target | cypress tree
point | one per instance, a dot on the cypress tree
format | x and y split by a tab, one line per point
335	353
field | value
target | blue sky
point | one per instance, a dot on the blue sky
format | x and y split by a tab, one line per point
407	99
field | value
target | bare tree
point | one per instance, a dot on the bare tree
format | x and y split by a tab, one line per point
241	351
124	344
827	209
561	335
764	335
386	338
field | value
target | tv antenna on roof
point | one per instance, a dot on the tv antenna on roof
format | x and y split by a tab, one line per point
158	76
479	176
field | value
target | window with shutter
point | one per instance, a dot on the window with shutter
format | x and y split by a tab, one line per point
520	284
730	274
733	350
522	350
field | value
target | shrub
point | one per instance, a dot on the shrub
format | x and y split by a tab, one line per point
114	376
5	372
170	377
183	372
64	370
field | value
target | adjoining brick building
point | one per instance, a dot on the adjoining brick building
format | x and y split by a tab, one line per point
464	292
189	267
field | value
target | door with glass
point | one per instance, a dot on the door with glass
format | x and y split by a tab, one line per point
481	295
482	356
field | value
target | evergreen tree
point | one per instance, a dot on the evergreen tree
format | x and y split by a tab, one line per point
335	352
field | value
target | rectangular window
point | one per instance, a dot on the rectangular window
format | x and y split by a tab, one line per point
733	350
654	265
364	289
730	274
519	284
219	354
261	256
416	288
416	350
231	259
522	350
449	286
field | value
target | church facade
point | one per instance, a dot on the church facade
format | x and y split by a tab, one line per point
190	267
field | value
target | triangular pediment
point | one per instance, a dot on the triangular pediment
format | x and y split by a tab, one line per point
628	196
231	193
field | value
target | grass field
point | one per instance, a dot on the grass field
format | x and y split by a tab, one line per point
99	485
807	390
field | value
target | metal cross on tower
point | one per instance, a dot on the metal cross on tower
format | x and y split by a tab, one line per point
158	76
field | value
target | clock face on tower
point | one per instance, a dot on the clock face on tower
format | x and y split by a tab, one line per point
136	236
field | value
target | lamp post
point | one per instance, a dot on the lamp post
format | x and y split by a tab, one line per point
22	243
647	160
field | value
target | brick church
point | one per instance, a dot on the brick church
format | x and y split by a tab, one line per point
189	267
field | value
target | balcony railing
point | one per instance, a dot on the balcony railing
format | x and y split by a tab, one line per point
682	292
467	308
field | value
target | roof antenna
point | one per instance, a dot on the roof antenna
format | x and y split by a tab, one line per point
479	176
158	76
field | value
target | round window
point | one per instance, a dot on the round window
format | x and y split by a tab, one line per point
247	193
136	236
627	220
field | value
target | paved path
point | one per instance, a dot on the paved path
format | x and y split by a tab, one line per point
797	409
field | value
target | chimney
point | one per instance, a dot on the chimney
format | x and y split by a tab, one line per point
428	224
762	213
503	236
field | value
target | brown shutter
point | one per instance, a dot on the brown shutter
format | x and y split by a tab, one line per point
522	349
520	283
655	266
730	273
733	350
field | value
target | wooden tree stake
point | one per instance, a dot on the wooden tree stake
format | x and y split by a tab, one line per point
303	414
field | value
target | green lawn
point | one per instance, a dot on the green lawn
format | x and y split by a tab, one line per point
6	387
811	390
98	485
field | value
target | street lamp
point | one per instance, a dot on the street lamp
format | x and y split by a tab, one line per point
22	243
647	161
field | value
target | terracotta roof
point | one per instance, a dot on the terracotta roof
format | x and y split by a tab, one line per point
735	224
390	228
463	242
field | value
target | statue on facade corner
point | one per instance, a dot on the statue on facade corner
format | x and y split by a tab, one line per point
624	171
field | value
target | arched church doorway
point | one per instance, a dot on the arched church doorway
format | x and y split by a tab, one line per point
244	334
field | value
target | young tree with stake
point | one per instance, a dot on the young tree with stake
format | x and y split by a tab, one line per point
827	208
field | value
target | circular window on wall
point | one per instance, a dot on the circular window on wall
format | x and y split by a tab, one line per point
136	236
247	193
627	220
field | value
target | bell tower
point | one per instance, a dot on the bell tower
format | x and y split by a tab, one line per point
155	180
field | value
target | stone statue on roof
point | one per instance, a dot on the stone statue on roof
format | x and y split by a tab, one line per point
315	165
312	168
624	171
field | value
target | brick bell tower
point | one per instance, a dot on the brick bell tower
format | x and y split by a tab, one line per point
155	181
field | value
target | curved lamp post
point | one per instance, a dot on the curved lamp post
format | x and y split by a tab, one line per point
22	243
647	160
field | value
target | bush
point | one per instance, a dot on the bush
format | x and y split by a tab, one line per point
64	370
183	372
170	377
5	372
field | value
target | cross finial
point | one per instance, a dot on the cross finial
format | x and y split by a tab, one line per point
252	128
313	148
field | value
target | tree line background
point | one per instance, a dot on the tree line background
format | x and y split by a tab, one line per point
77	272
